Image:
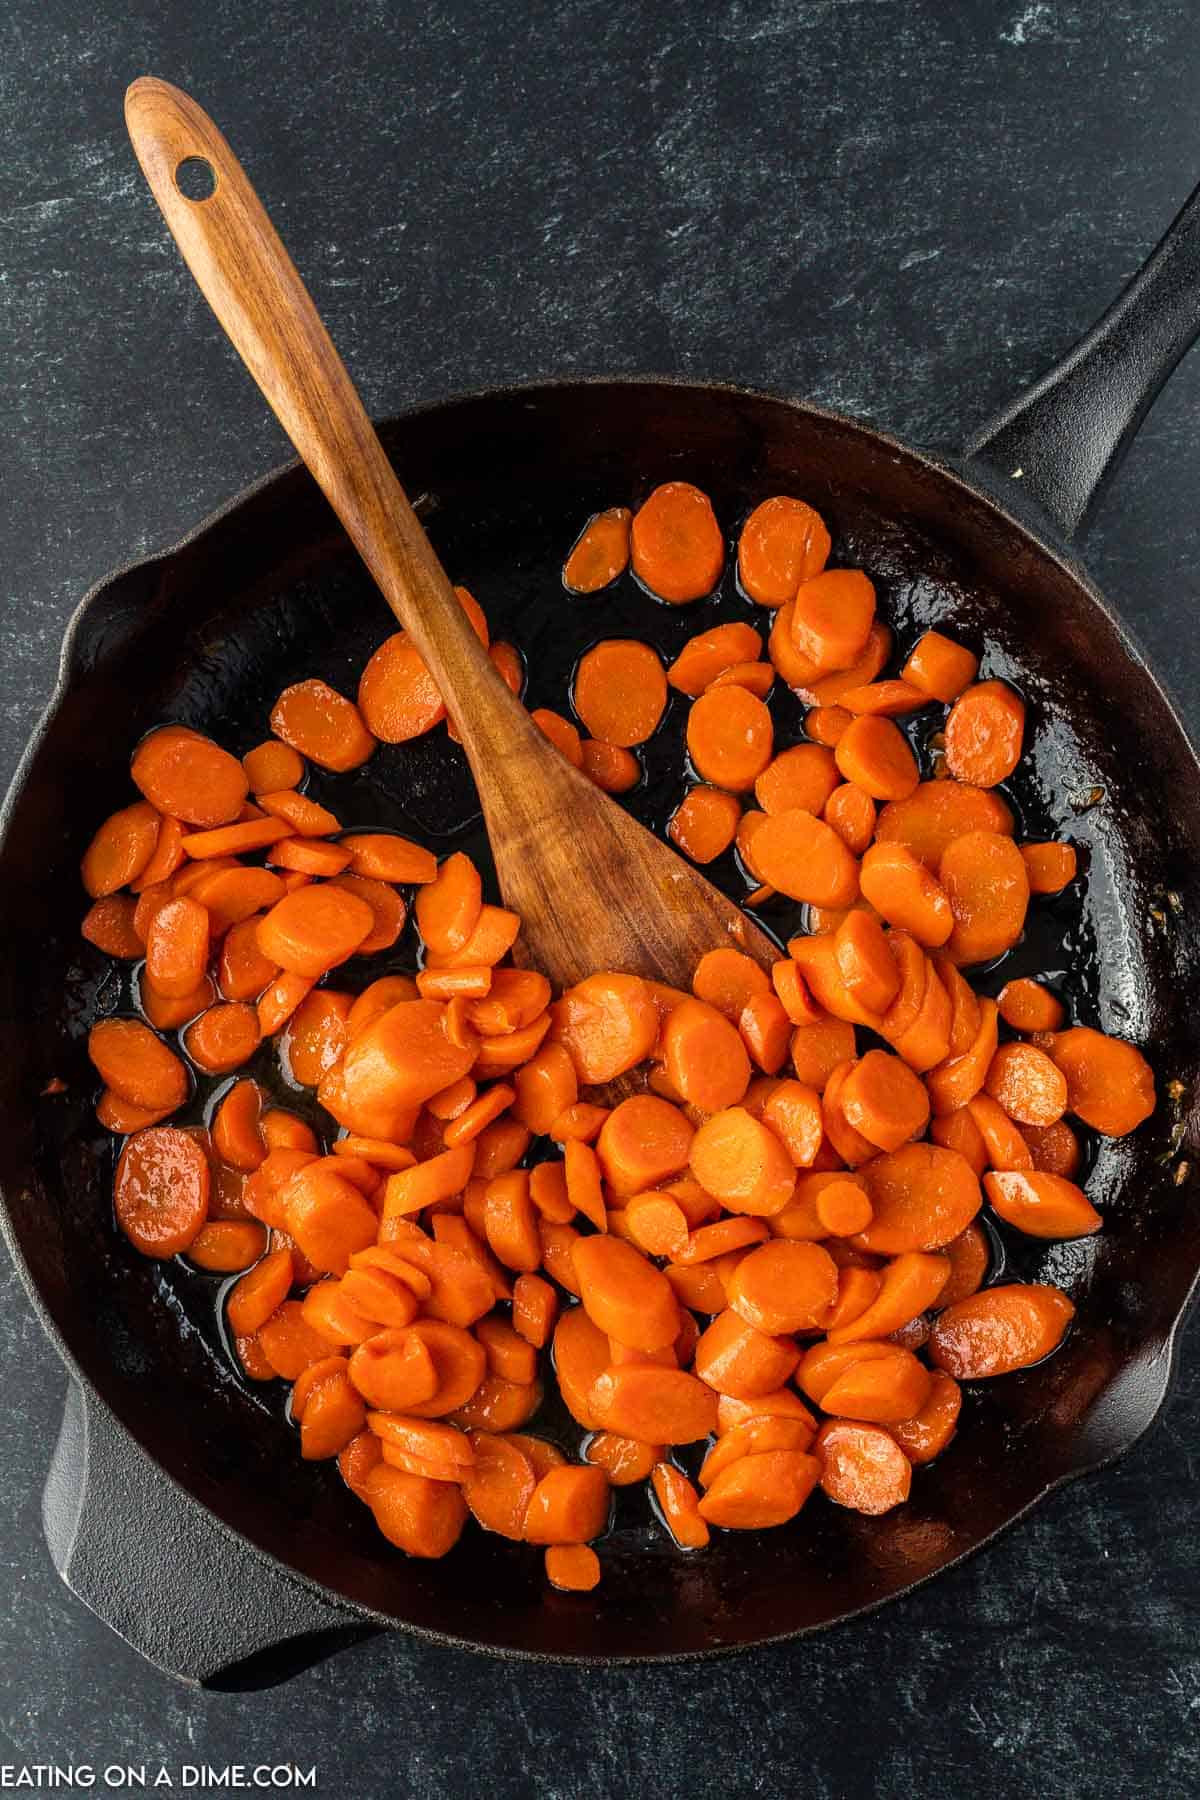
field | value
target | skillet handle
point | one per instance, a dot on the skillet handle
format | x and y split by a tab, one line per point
1066	435
162	1573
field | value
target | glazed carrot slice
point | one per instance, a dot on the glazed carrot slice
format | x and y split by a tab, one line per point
493	937
231	895
678	1503
136	1065
444	984
862	1466
535	1307
884	1101
832	615
448	908
322	725
1006	1148
500	1147
544	1086
1027	1084
437	1177
1110	1085
515	999
185	774
235	840
279	1000
1040	1204
765	1029
760	1491
562	734
569	1505
310	857
316	1035
161	1190
818	1049
708	1242
911	1283
624	1460
843	1208
803	777
600	553
607	1024
177	948
850	810
782	544
475	1118
166	858
983	874
825	724
625	1295
620	691
421	1517
327	1216
381	856
794	667
705	823
806	859
885	699
784	1287
730	737
236	1129
1050	867
736	1358
309	819
936	813
224	1037
984	734
953	1084
397	696
850	1145
314	929
272	766
643	1142
753	1437
965	1013
793	1112
970	1257
881	1391
940	667
1054	1148
260	1293
227	1246
923	1196
865	961
120	850
827	690
108	923
656	1405
706	656
792	990
379	998
610	767
572	1568
676	546
999	1330
581	1356
904	893
655	1222
743	1163
927	1433
499	1485
757	677
728	980
874	755
123	1117
1028	1006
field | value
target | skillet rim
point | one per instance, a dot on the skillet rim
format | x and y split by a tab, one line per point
975	479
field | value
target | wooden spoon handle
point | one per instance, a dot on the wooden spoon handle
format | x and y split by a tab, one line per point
251	283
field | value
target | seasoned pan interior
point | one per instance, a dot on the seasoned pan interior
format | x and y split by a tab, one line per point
270	592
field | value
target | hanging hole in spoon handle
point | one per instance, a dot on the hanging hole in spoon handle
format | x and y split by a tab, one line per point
247	277
196	179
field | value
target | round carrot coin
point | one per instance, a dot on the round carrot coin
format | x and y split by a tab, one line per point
676	546
161	1190
620	691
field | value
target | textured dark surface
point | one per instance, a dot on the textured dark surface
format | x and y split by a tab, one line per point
902	210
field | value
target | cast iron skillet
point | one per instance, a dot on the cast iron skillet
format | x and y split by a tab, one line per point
176	1504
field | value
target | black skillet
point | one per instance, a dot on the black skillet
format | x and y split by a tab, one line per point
176	1505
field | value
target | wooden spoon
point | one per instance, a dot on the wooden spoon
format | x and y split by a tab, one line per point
594	889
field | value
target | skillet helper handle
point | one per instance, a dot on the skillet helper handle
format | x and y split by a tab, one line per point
1064	438
251	283
159	1570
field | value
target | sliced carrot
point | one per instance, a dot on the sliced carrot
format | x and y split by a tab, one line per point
230	896
313	930
625	1295
1041	1205
832	615
289	1343
120	850
1110	1085
743	1163
826	724
544	1087
730	737
448	908
236	1130
678	1503
1028	1006
279	1000
1006	1148
793	1112
108	923
438	1177
936	813
167	856
607	1024
903	892
984	877
161	1190
499	1484
806	859
185	774
309	856
1054	1148
224	1037
760	1491
1050	867
865	961
322	725
940	667
235	840
752	1437
270	767
562	734
801	778
782	544
421	1517
757	677
818	1049
729	979
862	1466
676	547
784	1287
600	553
475	1118
850	810
984	734
875	756
500	1147
999	1330
707	1242
927	1433
794	997
884	699
923	1196
609	766
569	1505
953	1084
643	1142
620	691
707	656
705	823
736	1358
656	1405
1028	1085
136	1065
884	1101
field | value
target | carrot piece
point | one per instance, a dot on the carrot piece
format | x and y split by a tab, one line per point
794	997
757	677
625	1295
826	724
258	1294
121	849
607	1024
984	733
231	895
766	1031
880	1391
902	891
743	1163
1050	867
705	823
754	1436
922	1197
235	840
510	1221
177	948
136	1065
515	999
927	1433
544	1087
499	1405
827	690
500	1147
802	778
1054	1148
643	1142
938	812
1027	1084
940	667
377	999
561	733
832	615
123	1117
999	1330
581	1355
806	859
782	544
327	1215
569	1505
1041	1205
322	725
609	766
730	737
850	811
314	929
678	1504
499	1484
600	553
438	1177
448	908
223	1038
227	1246
676	547
620	691
818	1049
875	756
535	1307
736	1358
289	1342
783	1287
1028	1006
1110	1085
883	699
970	1258
757	1492
185	774
1006	1148
459	1364
108	923
332	1413
656	1405
468	1125
793	1112
236	1129
865	961
953	1084
884	1101
316	1035
709	654
161	1190
728	980
795	668
166	858
911	1283
312	857
572	1568
270	767
397	696
984	876
862	1466
710	1241
421	1517
279	1000
624	1460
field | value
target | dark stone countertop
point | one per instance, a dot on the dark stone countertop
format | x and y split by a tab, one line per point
900	208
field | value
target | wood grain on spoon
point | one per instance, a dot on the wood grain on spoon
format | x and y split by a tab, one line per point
594	889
